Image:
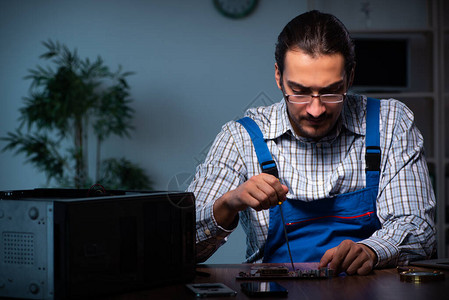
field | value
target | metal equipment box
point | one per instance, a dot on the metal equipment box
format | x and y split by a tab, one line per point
66	243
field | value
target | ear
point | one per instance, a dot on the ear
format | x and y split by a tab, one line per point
277	75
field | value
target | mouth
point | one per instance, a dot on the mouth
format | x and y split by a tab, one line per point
316	121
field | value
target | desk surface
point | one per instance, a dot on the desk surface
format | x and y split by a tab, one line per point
380	284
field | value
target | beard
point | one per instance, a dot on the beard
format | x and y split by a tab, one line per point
314	128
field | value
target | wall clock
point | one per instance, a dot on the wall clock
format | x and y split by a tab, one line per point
235	9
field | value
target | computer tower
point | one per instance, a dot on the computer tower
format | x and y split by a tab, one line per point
65	243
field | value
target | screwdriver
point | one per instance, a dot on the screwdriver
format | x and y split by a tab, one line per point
286	236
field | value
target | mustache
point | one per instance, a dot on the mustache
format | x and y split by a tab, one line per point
321	117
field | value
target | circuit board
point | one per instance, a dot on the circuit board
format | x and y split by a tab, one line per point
281	272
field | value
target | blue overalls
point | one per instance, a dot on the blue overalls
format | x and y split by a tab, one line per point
316	226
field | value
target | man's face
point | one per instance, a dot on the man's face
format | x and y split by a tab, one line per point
304	74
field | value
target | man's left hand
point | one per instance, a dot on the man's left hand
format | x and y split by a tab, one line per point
350	257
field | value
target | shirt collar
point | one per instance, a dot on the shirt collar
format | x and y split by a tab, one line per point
280	124
352	117
353	113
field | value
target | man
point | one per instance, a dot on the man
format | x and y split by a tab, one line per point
346	206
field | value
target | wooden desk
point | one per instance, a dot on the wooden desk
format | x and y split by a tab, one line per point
381	284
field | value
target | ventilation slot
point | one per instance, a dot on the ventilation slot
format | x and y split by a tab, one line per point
18	248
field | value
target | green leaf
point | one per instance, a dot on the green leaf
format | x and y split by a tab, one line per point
123	174
39	150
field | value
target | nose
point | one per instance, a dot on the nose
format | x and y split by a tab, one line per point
316	108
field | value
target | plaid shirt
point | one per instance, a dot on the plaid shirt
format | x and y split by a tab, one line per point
316	170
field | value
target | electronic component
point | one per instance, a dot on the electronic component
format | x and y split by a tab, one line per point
279	272
421	276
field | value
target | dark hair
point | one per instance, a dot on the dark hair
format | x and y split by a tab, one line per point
316	33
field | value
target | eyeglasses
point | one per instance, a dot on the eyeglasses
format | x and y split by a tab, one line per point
306	99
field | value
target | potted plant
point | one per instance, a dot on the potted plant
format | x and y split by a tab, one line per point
66	105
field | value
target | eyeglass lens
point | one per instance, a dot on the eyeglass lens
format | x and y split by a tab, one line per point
326	98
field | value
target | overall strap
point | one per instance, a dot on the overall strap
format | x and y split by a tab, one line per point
372	137
266	162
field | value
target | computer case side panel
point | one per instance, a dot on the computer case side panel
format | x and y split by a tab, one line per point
26	243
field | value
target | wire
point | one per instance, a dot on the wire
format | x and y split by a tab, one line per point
97	189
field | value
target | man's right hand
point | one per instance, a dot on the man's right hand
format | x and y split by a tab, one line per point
259	192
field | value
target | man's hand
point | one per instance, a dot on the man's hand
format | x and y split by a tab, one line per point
350	257
259	192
